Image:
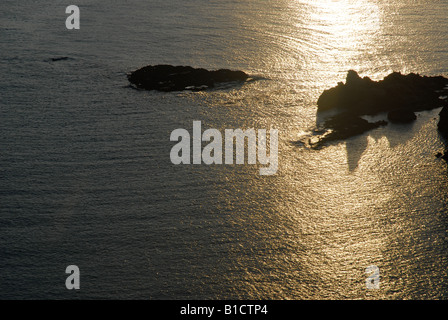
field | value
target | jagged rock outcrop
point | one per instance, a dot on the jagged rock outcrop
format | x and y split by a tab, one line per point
398	95
177	78
363	96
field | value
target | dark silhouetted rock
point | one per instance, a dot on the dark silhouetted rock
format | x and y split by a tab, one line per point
59	59
397	94
401	116
344	126
445	156
363	96
177	78
442	126
347	125
443	122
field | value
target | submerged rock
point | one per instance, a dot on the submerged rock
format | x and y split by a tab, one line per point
56	59
177	78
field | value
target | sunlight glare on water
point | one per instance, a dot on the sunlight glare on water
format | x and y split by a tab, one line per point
87	178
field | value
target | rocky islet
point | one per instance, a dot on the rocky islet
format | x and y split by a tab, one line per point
398	95
168	78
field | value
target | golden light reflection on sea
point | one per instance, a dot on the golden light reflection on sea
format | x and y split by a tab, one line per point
86	170
331	213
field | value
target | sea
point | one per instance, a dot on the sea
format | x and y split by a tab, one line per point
86	177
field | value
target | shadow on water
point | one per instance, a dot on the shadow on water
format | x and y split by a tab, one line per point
396	135
356	145
355	150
